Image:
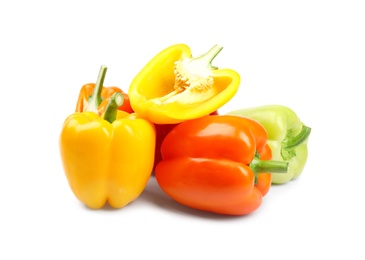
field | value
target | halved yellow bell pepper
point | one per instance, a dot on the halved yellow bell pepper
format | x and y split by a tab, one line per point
175	87
108	158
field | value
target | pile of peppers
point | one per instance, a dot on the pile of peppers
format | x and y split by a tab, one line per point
167	127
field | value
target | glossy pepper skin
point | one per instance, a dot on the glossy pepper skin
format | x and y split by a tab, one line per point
108	158
287	137
174	86
211	164
161	132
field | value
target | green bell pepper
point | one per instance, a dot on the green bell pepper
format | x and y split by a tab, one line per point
287	137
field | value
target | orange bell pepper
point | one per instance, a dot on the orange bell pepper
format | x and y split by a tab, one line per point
219	164
161	132
103	97
174	86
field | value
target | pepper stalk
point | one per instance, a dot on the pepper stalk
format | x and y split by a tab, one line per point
291	142
95	98
115	101
267	166
193	74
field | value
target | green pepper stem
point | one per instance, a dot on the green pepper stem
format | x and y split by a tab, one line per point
115	101
290	142
267	166
208	57
95	99
271	166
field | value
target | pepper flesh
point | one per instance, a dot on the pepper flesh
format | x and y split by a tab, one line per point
287	137
211	164
108	158
174	87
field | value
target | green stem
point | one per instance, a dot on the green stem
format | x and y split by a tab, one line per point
298	139
271	166
115	101
95	99
268	166
208	57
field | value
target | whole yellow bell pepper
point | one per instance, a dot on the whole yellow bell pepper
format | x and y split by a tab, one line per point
108	158
175	87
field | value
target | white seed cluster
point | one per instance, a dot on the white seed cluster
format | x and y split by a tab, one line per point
189	74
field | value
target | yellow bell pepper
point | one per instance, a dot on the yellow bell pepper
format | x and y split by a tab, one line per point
108	158
175	87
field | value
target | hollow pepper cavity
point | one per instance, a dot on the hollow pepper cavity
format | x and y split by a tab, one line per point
219	164
287	137
174	86
107	158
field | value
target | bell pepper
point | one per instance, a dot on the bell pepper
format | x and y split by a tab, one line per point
104	96
287	137
161	132
107	158
174	86
219	164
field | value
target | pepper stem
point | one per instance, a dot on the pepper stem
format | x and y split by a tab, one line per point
95	98
271	166
268	166
298	139
115	101
208	57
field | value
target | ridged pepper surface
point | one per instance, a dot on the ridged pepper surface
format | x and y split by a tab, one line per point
287	137
219	164
107	159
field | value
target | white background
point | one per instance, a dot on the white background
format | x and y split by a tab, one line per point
308	55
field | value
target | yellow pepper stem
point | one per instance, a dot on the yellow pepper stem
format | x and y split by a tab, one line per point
95	98
207	58
115	101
